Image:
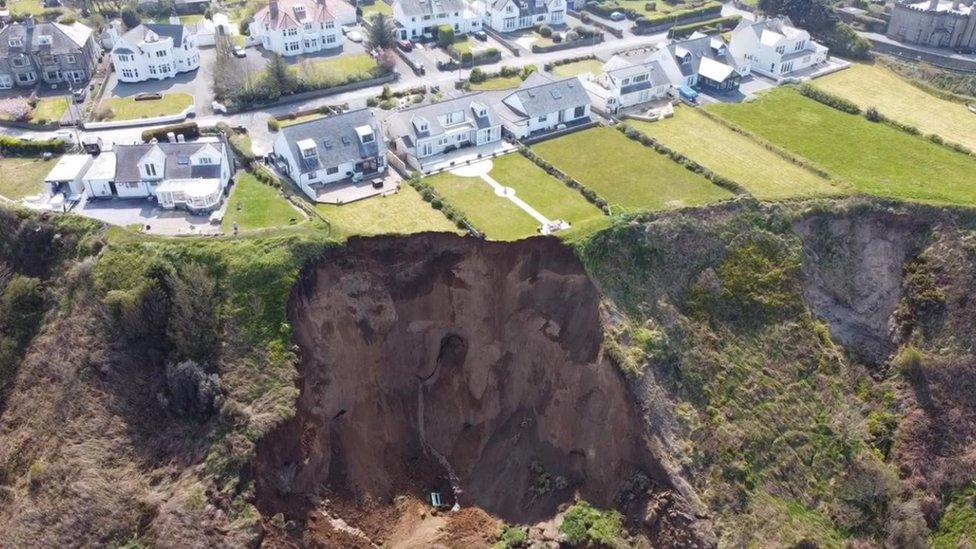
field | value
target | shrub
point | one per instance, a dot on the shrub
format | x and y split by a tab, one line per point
910	362
445	36
17	109
477	76
873	115
828	99
26	147
545	31
572	36
273	125
194	322
130	18
512	537
586	525
190	390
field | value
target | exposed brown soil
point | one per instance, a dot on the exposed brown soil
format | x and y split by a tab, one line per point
431	352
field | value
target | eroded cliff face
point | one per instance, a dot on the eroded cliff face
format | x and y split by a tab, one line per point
456	365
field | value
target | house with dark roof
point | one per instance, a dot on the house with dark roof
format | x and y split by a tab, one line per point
294	27
625	82
53	53
542	105
426	137
154	51
415	18
514	15
190	175
701	61
319	154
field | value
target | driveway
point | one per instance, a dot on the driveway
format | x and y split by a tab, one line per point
147	215
197	83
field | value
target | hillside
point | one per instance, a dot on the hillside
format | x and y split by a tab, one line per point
744	374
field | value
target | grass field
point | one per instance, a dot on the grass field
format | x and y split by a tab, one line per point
498	83
577	68
629	176
499	218
873	158
50	109
127	108
254	205
401	213
876	86
378	7
735	156
25	7
20	177
345	65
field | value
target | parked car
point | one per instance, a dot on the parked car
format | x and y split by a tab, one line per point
405	45
355	36
79	95
617	16
240	52
481	35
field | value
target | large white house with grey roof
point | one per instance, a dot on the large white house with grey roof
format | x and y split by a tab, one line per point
321	153
416	18
514	15
424	136
625	82
542	105
702	61
775	48
154	52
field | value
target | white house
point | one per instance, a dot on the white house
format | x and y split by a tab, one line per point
775	48
513	15
426	136
66	176
190	175
99	180
701	61
416	18
624	83
294	27
154	52
542	105
321	152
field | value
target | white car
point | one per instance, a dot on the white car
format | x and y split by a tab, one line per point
617	16
355	36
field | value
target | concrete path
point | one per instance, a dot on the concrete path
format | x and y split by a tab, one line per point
482	169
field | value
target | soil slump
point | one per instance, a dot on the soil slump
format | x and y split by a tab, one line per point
436	360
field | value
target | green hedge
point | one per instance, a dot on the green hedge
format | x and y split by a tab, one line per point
828	99
27	147
712	8
706	27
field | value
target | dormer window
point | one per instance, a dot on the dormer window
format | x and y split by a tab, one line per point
365	134
300	12
150	170
479	109
455	117
308	153
15	42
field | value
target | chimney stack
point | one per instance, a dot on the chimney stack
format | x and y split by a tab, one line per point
955	5
933	5
273	9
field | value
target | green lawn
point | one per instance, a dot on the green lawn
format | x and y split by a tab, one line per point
49	110
629	176
345	64
735	156
498	83
873	158
127	108
254	205
25	7
401	213
876	86
463	45
577	68
498	218
379	7
20	177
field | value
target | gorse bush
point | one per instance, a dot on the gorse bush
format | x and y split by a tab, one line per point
584	525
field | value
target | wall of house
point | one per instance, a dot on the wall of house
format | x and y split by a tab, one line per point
412	27
132	189
507	19
98	187
322	36
925	27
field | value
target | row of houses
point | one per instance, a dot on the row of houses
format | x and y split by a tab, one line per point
47	52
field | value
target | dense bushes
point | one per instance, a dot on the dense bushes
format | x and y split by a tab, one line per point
707	27
643	24
190	390
587	526
829	99
26	147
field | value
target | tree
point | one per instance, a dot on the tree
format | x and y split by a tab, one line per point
382	35
279	77
445	36
130	18
194	323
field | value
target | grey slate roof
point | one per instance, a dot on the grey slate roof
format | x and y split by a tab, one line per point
127	160
699	47
525	7
335	137
539	99
431	7
61	43
400	124
165	30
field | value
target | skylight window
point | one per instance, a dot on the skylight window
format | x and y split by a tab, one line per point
555	94
183	160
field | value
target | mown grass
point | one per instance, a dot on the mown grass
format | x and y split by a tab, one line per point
254	205
629	176
496	217
51	109
874	158
576	68
20	177
498	83
763	173
127	108
344	65
894	97
401	213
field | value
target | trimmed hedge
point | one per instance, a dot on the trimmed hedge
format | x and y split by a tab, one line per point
706	27
712	8
589	194
28	147
828	99
189	130
436	201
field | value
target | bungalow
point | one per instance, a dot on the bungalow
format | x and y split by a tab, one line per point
542	105
624	83
319	153
514	15
192	175
701	61
775	48
426	136
416	18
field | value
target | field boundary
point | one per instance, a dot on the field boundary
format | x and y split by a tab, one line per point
590	195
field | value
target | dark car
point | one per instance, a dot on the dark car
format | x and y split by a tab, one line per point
405	45
481	35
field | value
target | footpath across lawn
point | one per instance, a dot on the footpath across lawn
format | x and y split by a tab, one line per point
894	97
401	213
629	176
763	173
874	158
497	217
